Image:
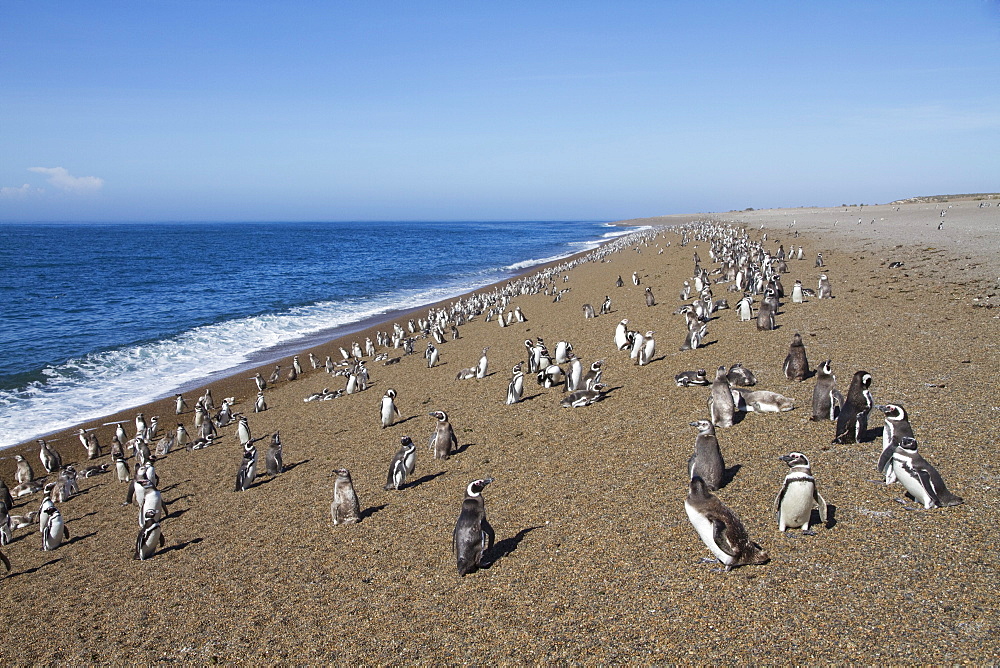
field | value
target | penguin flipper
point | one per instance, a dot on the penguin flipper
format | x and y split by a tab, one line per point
780	497
941	493
885	459
719	535
821	504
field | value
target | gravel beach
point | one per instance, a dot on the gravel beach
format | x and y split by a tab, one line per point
595	560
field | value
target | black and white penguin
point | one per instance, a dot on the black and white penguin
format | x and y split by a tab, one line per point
635	278
797	297
706	462
593	376
622	341
54	530
689	378
388	412
650	300
345	508
744	308
740	376
515	388
825	292
484	364
179	404
586	397
588	312
852	423
619	282
473	535
243	434
6	529
260	405
50	458
403	464
551	376
443	439
606	305
920	478
796	366
897	427
720	529
150	537
765	316
274	457
648	349
431	354
827	399
798	495
721	404
248	468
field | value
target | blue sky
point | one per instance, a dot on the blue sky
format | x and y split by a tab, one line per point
489	111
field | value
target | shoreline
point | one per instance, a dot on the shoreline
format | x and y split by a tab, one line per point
595	559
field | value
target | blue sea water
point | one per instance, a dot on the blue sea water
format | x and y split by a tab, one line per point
98	318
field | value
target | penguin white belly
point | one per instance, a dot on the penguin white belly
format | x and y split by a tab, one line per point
151	540
151	501
911	482
796	506
706	530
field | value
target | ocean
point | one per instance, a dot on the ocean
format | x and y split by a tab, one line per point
99	318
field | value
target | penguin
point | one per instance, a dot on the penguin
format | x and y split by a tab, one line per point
721	404
345	508
765	316
797	292
273	459
825	292
151	504
897	427
827	399
819	259
593	376
93	446
515	388
50	458
403	464
574	377
852	423
5	496
707	462
242	431
648	349
919	478
473	536
121	468
650	300
563	349
741	376
431	354
54	530
152	429
689	378
519	314
248	468
296	366
761	401
483	365
584	397
635	278
720	529
207	401
443	439
686	291
619	282
796	366
798	496
293	373
588	312
5	524
150	537
24	474
261	383
275	375
225	415
387	408
621	334
606	305
314	361
140	425
638	340
260	405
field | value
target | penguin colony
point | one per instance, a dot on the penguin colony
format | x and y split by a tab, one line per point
746	266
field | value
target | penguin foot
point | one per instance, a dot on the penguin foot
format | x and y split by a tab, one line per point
708	560
807	532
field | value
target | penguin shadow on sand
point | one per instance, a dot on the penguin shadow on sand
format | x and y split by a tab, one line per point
404	420
80	538
507	546
730	474
462	448
368	512
427	478
265	479
180	546
32	570
871	434
831	516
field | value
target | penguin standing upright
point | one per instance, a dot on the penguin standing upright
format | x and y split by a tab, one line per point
797	292
516	386
24	473
827	399
650	300
852	422
796	366
179	404
345	508
483	365
150	537
443	439
403	464
473	535
897	427
706	462
825	292
248	468
274	459
243	431
54	530
621	334
648	349
720	529
260	405
722	407
50	458
431	354
920	478
387	408
798	495
574	377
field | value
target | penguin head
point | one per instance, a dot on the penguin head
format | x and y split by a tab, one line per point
893	412
476	487
406	442
704	426
391	393
440	415
795	459
698	488
342	474
908	443
826	368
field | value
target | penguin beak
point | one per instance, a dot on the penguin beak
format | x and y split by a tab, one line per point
693	424
882	408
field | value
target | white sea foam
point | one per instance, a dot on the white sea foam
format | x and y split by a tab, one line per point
108	382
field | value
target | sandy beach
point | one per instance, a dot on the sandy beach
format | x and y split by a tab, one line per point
595	561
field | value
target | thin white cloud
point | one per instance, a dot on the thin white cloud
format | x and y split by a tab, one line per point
12	192
60	178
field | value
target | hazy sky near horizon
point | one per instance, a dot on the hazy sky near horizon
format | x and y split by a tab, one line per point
489	111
